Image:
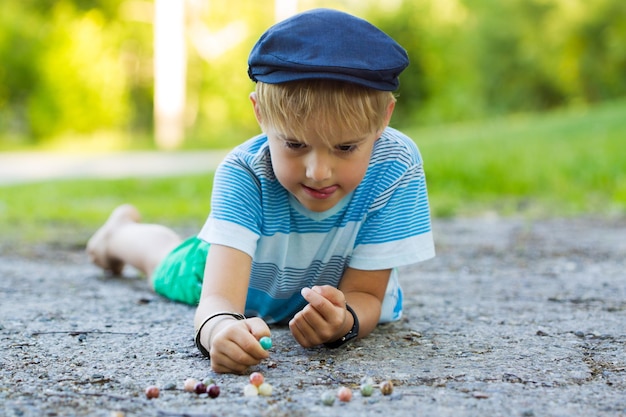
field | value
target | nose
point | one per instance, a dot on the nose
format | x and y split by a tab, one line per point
318	166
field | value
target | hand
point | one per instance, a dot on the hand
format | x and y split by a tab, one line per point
323	319
235	344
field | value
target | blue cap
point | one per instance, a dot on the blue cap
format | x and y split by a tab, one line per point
327	44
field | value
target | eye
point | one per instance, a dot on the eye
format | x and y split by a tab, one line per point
295	146
346	148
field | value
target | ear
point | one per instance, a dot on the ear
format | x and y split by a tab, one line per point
390	108
255	106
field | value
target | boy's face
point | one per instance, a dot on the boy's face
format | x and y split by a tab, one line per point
318	173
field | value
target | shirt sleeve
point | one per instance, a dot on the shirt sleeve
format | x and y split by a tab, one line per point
397	230
235	218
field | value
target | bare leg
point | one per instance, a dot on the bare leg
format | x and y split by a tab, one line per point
124	240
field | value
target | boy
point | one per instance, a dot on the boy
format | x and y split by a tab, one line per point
308	220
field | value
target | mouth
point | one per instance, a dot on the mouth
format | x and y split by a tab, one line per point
320	193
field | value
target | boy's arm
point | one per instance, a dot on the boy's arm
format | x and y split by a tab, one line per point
233	344
326	319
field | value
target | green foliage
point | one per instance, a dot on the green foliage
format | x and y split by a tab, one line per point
83	67
62	69
479	58
79	78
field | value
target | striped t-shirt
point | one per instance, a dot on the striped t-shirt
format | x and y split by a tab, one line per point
384	223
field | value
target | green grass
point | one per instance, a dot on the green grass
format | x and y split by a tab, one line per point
558	164
69	211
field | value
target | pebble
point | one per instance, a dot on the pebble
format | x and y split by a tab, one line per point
199	388
170	386
152	392
328	398
213	390
265	389
367	390
256	378
266	342
250	391
190	384
367	380
386	387
344	394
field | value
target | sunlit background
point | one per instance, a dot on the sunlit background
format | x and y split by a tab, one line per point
118	74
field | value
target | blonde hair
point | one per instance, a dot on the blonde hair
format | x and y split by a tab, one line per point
325	106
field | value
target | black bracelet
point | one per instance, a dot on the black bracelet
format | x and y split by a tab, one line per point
354	332
201	348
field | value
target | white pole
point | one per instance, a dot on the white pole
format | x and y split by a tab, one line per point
170	67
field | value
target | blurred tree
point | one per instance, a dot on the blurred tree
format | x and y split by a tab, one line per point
514	54
83	66
62	69
82	84
602	59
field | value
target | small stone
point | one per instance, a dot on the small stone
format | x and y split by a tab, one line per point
152	392
199	388
250	391
190	384
208	381
367	380
170	386
344	394
328	398
480	395
367	390
386	387
213	390
265	389
256	378
266	342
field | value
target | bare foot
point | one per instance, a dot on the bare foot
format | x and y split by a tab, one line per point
97	246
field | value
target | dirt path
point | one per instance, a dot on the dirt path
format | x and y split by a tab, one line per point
512	318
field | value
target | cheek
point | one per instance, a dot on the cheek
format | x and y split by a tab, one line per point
285	169
353	174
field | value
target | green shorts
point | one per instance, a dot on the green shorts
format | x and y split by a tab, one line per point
179	276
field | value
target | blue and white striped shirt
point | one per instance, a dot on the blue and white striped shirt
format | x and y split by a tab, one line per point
384	223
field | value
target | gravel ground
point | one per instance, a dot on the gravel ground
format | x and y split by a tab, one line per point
513	318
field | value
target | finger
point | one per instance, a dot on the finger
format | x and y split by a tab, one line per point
318	302
303	332
332	294
234	348
329	316
258	327
228	357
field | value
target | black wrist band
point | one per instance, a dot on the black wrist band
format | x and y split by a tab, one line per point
201	348
354	332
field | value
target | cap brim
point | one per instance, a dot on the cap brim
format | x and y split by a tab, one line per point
278	77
